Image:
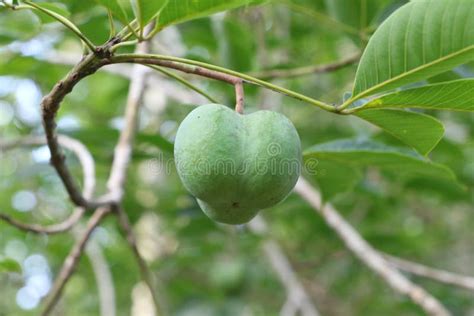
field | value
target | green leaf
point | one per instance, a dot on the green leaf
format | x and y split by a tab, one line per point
146	10
420	40
9	265
117	8
54	7
420	131
455	95
333	177
358	14
363	153
178	11
22	25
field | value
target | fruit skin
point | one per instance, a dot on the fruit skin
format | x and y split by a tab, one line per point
237	164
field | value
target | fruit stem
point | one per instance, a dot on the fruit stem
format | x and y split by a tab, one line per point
239	97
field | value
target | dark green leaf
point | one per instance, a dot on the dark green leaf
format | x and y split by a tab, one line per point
178	11
420	131
117	8
146	10
453	95
418	41
368	153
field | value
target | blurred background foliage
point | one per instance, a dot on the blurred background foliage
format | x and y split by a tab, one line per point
205	268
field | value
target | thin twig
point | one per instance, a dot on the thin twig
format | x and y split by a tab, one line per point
439	275
168	88
367	254
122	156
239	97
72	260
213	72
306	70
88	169
296	292
104	279
145	272
123	149
184	82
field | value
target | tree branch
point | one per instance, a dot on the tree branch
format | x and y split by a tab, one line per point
49	106
104	279
213	72
442	276
306	70
184	82
296	293
88	169
72	260
368	255
123	149
145	273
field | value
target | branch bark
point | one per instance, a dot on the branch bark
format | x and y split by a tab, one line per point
459	280
122	156
307	70
296	292
50	106
145	273
367	254
72	260
104	279
88	169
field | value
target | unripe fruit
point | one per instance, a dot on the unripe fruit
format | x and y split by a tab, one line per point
237	164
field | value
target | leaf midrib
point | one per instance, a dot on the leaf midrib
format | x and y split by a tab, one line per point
412	71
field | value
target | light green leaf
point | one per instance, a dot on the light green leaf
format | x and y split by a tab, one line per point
420	131
9	265
455	95
364	153
117	8
420	40
146	10
54	7
178	11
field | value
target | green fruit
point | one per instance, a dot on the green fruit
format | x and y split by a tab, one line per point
237	164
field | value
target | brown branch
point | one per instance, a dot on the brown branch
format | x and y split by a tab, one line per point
145	273
296	293
166	87
196	70
123	149
72	260
306	70
367	254
442	276
104	278
88	169
239	97
50	106
47	230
